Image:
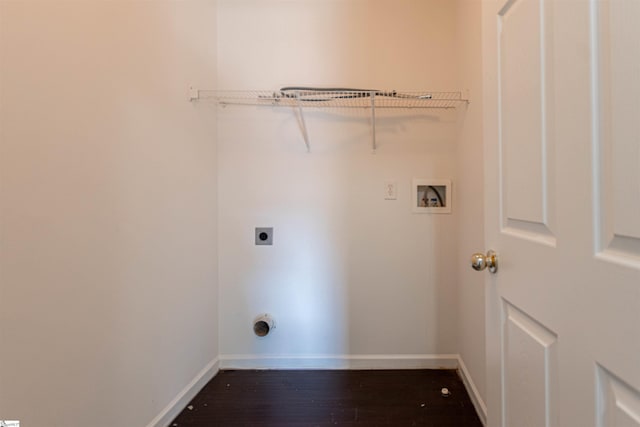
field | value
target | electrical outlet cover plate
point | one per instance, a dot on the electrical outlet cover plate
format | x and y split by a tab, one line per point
264	236
390	190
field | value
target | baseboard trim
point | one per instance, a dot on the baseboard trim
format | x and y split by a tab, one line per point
357	361
478	403
174	407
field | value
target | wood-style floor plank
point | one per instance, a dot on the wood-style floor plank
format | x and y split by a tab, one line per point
275	398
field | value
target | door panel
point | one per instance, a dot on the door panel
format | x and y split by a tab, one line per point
530	357
618	403
617	109
525	136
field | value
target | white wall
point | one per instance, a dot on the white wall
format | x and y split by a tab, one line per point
109	182
108	292
470	197
350	274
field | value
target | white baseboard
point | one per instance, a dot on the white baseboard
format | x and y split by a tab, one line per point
478	403
356	361
174	407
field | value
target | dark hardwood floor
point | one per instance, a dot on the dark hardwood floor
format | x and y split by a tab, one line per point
328	398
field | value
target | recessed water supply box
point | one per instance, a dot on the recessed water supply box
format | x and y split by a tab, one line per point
431	196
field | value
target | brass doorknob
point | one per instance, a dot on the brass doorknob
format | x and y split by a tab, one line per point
481	261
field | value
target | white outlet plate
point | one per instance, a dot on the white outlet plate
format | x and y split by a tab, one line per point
390	190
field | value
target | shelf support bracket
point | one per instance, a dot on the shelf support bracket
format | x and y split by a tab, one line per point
373	121
303	123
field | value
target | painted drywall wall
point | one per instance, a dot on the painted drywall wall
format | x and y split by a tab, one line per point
470	198
108	292
350	274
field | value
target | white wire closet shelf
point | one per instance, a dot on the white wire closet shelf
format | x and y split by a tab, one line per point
334	98
300	98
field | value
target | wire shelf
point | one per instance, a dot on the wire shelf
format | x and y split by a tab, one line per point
300	98
334	98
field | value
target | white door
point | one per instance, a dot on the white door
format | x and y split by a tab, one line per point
562	135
